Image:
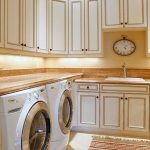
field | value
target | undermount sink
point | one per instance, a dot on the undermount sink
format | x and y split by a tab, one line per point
125	79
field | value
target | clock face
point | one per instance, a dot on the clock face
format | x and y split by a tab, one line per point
124	47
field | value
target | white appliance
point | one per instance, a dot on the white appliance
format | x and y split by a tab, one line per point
61	111
25	120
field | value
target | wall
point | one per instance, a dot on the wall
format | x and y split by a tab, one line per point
20	62
111	60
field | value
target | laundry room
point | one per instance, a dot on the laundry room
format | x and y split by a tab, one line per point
74	75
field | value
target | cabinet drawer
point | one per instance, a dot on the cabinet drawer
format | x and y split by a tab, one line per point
144	89
88	87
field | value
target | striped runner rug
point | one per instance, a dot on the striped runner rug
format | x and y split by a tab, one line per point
118	143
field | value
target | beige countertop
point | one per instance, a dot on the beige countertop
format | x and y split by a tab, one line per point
21	82
102	80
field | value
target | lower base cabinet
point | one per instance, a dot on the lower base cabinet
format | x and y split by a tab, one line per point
88	109
129	112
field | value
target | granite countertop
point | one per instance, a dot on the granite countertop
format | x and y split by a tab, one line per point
12	84
102	80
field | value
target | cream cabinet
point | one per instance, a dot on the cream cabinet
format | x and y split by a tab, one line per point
85	27
13	24
29	19
136	112
20	24
123	111
111	111
88	105
88	109
58	26
42	25
1	23
124	13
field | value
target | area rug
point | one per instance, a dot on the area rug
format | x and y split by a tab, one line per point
118	143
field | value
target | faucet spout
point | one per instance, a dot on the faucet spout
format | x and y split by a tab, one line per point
124	70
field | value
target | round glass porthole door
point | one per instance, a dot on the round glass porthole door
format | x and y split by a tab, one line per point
65	112
36	131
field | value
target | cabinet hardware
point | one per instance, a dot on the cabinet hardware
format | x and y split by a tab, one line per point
88	87
97	97
126	23
50	49
21	44
38	48
126	98
82	49
121	22
121	98
24	45
85	49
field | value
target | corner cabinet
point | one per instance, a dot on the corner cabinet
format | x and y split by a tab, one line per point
58	26
42	25
1	23
85	27
20	24
124	13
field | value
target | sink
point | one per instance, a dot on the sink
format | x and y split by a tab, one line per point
125	79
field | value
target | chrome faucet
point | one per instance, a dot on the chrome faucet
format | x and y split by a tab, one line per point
124	70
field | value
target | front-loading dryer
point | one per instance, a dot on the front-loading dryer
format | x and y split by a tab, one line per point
61	112
25	120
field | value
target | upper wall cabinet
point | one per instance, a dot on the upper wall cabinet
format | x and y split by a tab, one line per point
19	24
58	26
124	13
13	24
29	19
1	23
42	25
85	27
76	27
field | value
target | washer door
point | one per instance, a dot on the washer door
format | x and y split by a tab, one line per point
65	112
36	131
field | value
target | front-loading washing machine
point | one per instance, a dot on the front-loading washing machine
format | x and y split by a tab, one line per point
25	120
61	113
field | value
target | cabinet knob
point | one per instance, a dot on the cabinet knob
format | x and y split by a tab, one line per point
126	98
38	47
121	22
24	45
126	23
21	44
82	49
86	49
121	98
88	87
97	96
50	49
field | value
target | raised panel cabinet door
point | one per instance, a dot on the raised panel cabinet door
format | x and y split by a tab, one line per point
13	24
135	13
112	14
136	112
88	109
93	35
29	21
1	23
76	27
111	110
42	25
58	26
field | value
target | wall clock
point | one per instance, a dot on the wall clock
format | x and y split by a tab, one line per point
124	47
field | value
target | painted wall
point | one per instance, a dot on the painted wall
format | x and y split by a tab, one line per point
111	60
20	62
